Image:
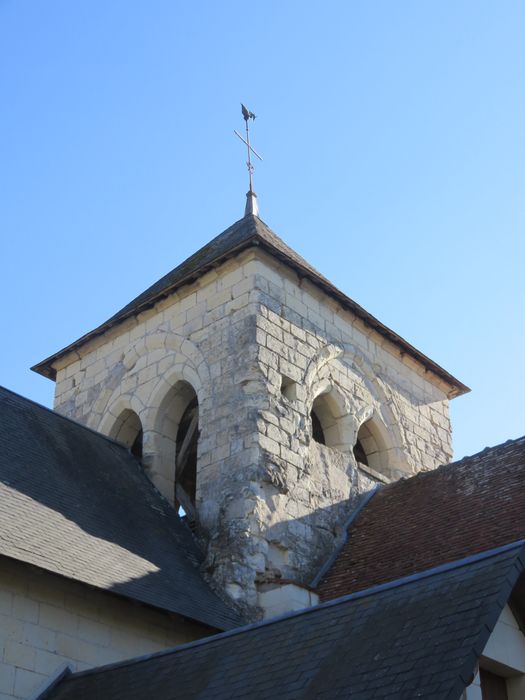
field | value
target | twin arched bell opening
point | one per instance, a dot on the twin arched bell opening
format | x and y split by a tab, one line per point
329	427
179	431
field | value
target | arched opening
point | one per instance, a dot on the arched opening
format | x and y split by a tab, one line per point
128	430
370	448
317	428
177	432
329	420
136	448
359	453
186	457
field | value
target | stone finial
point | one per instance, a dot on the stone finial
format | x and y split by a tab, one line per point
252	207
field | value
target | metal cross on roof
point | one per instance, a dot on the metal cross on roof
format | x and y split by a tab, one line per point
247	115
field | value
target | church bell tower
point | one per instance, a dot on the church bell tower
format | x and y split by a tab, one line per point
262	402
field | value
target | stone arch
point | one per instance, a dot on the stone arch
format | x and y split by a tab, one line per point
174	430
385	417
122	423
370	374
176	359
330	420
340	418
164	412
119	404
181	358
127	430
322	357
373	444
184	350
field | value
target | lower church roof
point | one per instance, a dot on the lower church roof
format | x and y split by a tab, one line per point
79	505
452	512
416	637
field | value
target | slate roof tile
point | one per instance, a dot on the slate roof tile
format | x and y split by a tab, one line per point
78	504
407	639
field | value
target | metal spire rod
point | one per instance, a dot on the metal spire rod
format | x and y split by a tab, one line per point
247	115
249	163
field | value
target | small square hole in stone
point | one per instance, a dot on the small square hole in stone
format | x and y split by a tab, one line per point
288	388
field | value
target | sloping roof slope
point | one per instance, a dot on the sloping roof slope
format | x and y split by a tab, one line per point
415	638
248	231
79	505
432	518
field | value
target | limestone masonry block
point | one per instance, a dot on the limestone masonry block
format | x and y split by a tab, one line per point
50	621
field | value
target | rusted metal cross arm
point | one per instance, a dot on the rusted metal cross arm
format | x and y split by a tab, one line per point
252	149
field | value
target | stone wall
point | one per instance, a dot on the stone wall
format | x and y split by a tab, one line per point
194	337
262	348
46	621
306	337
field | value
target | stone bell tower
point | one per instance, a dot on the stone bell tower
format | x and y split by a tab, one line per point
261	400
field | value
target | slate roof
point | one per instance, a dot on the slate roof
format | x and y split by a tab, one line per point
79	505
454	511
247	232
419	637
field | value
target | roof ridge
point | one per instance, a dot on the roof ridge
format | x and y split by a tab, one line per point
373	590
487	450
67	418
422	475
250	233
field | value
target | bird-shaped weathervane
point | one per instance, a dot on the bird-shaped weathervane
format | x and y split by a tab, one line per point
247	115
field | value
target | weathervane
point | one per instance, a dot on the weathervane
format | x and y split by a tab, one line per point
251	204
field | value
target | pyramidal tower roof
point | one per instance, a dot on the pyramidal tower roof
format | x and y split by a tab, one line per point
250	231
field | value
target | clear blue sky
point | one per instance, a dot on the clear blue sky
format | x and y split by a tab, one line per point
394	144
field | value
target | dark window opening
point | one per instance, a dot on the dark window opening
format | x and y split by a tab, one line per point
360	454
317	429
136	447
127	430
186	467
493	687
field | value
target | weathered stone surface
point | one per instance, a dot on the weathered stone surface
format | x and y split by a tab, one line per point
261	349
